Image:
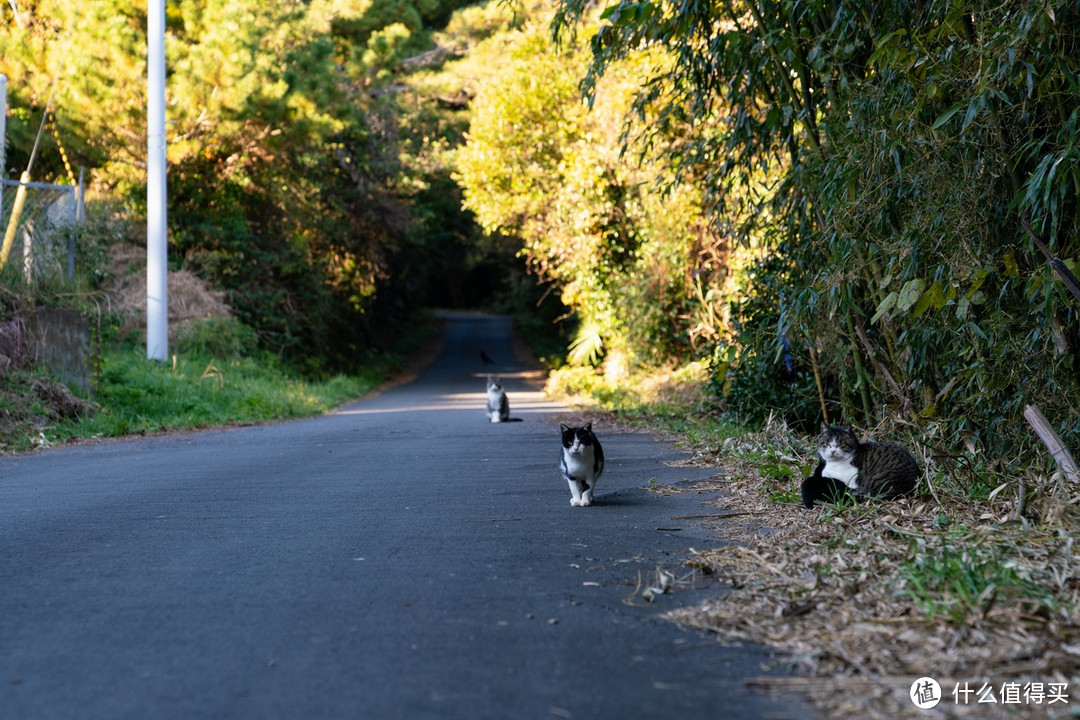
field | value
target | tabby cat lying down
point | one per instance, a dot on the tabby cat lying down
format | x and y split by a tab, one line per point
881	470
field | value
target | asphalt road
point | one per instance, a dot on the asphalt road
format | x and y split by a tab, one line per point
400	558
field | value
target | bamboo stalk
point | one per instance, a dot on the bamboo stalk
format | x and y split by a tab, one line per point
1060	269
1052	441
13	222
860	371
860	332
817	381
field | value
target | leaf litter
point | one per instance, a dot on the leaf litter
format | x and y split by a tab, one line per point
864	600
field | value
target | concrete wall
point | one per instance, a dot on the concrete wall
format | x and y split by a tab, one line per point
62	339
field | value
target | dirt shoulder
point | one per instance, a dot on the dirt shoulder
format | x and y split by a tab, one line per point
866	600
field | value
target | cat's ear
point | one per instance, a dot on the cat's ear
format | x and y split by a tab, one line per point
587	427
824	426
564	428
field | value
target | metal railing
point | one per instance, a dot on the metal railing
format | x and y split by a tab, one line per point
46	228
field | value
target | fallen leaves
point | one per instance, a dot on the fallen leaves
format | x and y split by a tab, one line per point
664	581
864	600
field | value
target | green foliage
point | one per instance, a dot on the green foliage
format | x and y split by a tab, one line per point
541	167
140	395
286	188
98	50
895	163
445	260
223	338
760	372
781	479
199	389
960	582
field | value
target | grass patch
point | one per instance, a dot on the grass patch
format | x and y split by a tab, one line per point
138	395
208	383
671	402
955	577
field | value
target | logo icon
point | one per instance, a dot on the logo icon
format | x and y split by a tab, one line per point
925	693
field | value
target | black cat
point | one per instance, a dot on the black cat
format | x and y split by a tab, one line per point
880	470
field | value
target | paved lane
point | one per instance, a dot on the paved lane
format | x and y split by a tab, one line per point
400	558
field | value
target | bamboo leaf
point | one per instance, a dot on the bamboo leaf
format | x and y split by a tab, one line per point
962	309
947	115
1011	268
886	305
611	13
910	294
973	111
980	278
922	305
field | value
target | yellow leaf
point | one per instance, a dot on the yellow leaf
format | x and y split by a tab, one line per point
1011	268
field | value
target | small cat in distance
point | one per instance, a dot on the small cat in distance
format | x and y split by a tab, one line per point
862	470
581	462
498	405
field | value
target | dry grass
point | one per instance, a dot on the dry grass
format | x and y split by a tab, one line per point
190	297
866	599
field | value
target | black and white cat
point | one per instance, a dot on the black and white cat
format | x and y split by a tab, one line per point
880	470
581	462
498	405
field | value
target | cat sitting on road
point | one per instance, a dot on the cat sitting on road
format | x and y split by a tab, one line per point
498	405
581	462
880	470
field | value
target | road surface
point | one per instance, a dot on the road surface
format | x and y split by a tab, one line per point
400	558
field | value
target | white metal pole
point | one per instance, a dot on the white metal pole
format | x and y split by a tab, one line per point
157	287
3	138
3	125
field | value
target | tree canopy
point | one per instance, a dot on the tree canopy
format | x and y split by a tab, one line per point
619	238
286	186
902	162
841	208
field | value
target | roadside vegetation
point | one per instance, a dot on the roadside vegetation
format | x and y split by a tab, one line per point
216	376
862	600
312	216
725	222
140	396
